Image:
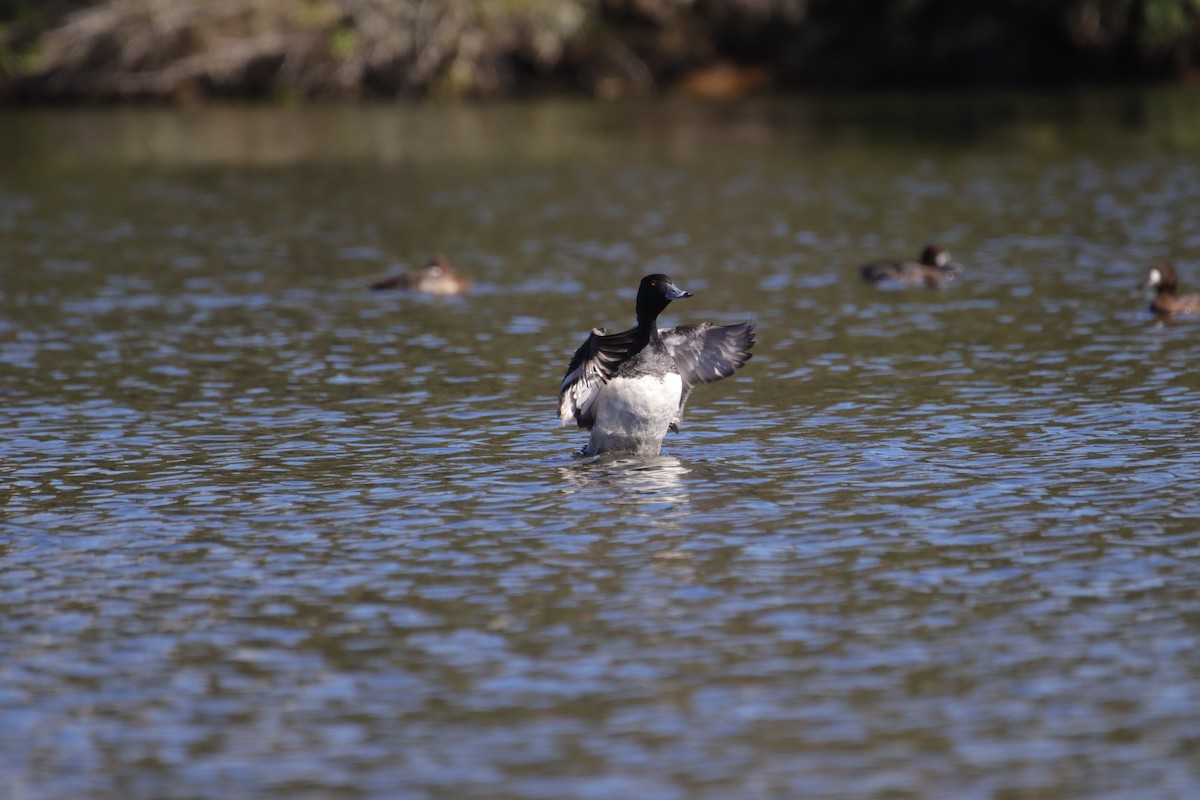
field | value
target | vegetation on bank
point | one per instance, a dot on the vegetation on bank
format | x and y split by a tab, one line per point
175	50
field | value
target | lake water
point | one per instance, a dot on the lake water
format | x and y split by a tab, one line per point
268	534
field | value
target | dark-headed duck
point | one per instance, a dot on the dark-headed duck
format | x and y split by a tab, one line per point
1161	277
438	277
630	388
935	269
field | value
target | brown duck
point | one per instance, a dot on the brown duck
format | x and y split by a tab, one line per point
934	270
438	277
1161	277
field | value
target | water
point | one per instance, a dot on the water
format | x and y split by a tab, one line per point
267	534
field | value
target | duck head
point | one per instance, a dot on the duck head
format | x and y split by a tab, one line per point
655	293
1161	276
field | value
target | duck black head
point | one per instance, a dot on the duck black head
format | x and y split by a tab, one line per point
655	293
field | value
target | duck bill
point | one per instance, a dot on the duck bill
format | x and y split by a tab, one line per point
675	293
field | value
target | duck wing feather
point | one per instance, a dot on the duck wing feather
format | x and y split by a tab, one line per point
593	365
706	353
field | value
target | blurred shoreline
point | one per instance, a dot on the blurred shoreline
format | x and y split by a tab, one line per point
185	51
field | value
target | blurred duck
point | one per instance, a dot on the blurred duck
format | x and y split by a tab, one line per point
438	277
630	388
1161	277
935	269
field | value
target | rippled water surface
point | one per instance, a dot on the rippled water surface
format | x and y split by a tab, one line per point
268	534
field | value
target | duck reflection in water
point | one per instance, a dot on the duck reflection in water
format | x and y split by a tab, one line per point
438	278
640	479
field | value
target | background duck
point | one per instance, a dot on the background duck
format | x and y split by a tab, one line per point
438	277
934	269
1161	277
630	388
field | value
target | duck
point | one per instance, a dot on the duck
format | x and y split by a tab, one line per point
630	388
935	269
1161	277
438	277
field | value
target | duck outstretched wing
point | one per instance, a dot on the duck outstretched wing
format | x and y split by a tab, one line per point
706	353
593	365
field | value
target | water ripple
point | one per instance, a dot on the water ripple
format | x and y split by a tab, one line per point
268	534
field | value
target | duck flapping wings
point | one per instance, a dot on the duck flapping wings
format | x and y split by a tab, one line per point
703	353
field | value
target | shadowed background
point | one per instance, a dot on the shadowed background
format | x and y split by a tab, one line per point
184	50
